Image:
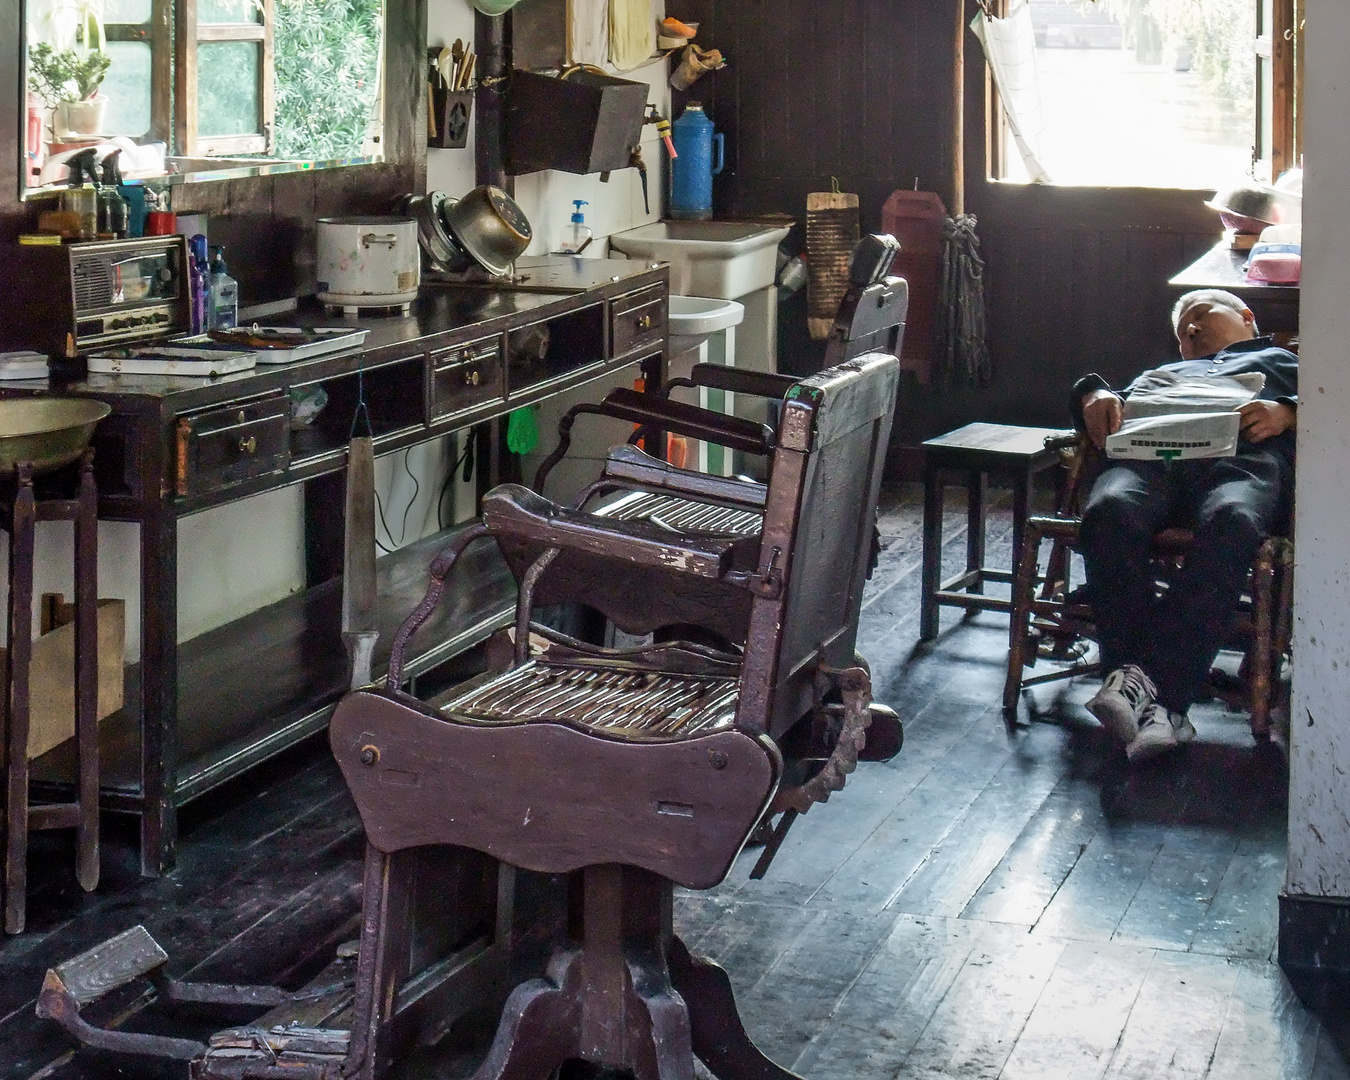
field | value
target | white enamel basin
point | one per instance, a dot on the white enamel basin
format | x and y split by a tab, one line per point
726	259
693	318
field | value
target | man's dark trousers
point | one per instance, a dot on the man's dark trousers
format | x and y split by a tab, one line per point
1232	504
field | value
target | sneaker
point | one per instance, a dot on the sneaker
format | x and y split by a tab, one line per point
1120	703
1160	730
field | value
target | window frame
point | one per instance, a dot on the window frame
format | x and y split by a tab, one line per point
191	33
157	33
1285	45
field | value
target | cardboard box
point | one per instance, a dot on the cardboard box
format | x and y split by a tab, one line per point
52	675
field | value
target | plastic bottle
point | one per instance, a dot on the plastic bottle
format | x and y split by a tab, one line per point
112	208
81	196
198	284
224	310
576	236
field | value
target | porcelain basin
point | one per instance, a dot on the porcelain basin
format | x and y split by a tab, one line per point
724	259
693	318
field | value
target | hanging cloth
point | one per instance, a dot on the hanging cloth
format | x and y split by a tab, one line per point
962	352
632	33
1010	47
588	32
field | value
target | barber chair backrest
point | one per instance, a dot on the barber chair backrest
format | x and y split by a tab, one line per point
821	509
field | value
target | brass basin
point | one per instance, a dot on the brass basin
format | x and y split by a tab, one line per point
48	431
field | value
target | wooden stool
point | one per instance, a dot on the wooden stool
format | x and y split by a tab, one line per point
976	452
22	509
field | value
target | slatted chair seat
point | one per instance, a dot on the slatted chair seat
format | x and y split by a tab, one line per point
681	514
640	705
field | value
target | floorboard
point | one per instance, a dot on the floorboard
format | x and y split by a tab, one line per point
1009	905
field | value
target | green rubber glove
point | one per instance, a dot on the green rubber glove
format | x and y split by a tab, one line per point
522	433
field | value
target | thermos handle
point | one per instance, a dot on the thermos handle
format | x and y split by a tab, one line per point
721	142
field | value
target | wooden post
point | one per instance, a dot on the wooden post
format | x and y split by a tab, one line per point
958	203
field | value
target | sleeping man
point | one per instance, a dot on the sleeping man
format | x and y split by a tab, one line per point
1157	651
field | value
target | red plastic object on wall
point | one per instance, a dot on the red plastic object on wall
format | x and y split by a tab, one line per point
915	218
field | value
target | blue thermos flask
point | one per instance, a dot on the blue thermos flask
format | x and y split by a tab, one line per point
692	172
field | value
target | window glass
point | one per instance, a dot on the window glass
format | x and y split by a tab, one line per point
1154	93
227	87
126	11
127	88
229	11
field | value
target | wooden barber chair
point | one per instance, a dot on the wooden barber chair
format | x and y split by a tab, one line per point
630	771
871	319
635	770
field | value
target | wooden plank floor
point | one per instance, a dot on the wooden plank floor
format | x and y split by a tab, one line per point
984	906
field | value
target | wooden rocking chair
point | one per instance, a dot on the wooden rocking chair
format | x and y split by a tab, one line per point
1052	621
634	770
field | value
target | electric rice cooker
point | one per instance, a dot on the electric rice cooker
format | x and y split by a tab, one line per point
367	261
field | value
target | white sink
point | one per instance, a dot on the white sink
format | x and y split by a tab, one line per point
725	259
693	318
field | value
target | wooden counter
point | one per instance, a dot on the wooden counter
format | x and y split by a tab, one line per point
203	712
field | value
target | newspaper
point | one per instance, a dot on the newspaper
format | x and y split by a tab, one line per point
1172	417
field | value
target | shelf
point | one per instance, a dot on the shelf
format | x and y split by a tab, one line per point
254	687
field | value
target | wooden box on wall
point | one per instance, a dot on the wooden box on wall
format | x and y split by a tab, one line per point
587	123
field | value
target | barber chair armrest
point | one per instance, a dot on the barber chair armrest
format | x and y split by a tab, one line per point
763	384
630	465
513	511
650	410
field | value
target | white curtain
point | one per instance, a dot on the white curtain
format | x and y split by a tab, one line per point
1010	47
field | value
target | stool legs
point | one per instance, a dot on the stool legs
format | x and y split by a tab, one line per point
976	492
20	610
86	675
932	554
19	818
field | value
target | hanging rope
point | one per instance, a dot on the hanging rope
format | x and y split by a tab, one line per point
962	352
361	414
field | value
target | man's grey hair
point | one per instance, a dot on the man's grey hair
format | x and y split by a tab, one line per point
1213	297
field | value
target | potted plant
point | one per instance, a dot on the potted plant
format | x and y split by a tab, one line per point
68	80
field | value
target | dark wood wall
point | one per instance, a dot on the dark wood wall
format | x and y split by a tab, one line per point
265	223
864	90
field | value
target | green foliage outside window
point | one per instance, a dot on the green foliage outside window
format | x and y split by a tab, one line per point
1217	33
327	63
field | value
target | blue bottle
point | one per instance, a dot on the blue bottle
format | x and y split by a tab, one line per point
692	172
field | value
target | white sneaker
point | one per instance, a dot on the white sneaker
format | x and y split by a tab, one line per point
1120	703
1160	730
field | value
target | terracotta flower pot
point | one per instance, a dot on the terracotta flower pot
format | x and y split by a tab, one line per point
82	117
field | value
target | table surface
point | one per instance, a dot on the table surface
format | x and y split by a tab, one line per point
1223	268
997	440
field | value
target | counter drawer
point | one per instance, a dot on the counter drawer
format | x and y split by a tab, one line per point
637	320
466	376
220	447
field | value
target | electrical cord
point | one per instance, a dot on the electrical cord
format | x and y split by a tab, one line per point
417	490
463	459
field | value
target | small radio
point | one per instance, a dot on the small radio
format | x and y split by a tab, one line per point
103	292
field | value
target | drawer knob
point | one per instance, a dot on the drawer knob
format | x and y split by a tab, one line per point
645	323
249	445
243	416
471	378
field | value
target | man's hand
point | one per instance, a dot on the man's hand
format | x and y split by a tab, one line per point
1102	413
1262	420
